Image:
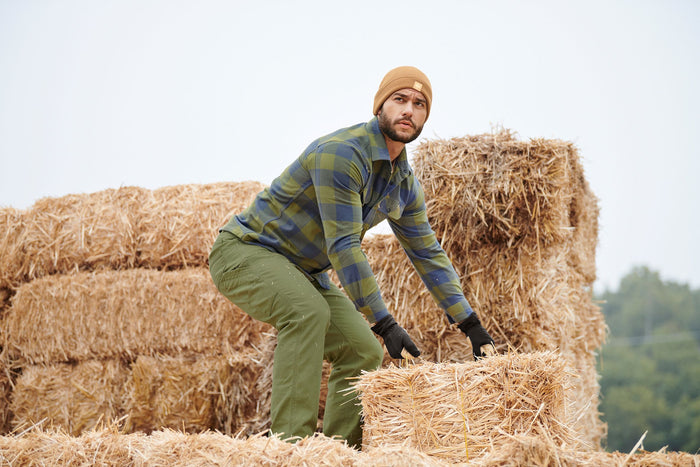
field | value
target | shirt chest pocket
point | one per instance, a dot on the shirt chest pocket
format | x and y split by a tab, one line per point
391	207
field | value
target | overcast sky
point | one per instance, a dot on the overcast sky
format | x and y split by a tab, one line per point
100	94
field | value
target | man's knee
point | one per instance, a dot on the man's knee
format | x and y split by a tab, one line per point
302	311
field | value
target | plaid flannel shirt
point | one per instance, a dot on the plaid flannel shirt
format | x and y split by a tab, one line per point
319	209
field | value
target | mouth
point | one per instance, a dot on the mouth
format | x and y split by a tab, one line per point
405	123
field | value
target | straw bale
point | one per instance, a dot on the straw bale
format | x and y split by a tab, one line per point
174	448
170	227
195	393
102	447
80	231
178	449
188	392
73	396
541	451
108	446
113	314
178	224
494	188
455	411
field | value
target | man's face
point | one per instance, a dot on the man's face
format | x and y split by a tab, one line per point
403	115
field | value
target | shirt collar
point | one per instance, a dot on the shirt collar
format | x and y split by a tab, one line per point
378	145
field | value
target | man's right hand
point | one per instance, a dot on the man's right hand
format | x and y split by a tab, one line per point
395	337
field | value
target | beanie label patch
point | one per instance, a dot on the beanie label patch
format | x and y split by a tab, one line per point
417	86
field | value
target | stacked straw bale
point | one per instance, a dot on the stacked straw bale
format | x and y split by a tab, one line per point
167	228
501	411
109	313
519	222
107	446
192	393
458	411
58	235
119	276
123	314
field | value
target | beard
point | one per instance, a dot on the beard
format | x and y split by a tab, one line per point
386	127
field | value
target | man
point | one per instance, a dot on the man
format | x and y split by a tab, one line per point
271	260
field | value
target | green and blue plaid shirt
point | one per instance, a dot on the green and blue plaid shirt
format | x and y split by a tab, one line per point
317	212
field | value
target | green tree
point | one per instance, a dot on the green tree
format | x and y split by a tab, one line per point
650	366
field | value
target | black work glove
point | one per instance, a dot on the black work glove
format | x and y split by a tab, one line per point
395	337
476	333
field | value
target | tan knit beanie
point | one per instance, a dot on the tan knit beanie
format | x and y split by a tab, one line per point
401	78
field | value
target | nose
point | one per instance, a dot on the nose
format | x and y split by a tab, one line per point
407	109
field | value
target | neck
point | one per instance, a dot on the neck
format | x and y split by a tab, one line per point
394	147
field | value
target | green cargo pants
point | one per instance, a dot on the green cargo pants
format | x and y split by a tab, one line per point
312	324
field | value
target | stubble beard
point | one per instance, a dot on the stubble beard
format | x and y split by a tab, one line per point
386	127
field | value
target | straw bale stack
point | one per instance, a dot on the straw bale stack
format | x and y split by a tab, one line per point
73	396
193	393
109	447
457	412
122	314
545	327
520	224
120	276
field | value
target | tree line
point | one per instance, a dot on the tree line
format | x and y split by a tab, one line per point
650	364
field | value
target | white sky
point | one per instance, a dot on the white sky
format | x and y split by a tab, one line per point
100	94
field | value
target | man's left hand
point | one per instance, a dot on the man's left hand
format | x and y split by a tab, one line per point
482	344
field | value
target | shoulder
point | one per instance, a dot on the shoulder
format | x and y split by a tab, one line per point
350	144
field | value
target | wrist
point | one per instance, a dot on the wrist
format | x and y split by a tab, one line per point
471	321
383	325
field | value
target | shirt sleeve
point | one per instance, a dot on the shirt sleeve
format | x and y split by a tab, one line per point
338	176
431	262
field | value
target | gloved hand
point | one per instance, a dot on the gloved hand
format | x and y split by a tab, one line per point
395	337
478	336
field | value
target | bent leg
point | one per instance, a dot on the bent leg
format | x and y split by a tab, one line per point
350	347
268	287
